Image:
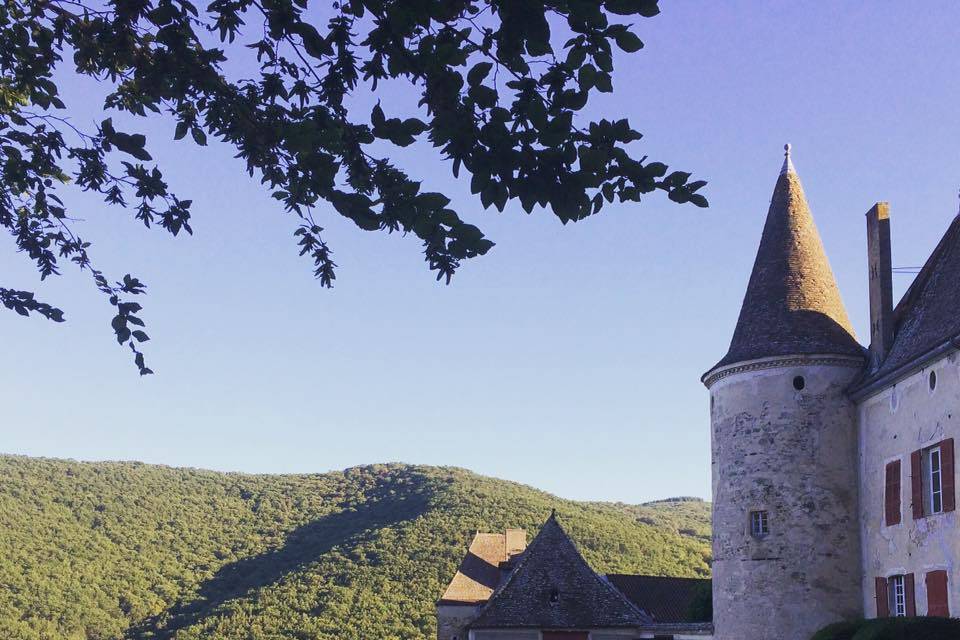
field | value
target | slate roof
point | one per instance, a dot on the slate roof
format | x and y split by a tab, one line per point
553	587
664	599
792	305
928	314
480	571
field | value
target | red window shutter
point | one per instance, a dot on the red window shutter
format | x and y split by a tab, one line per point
910	600
892	494
916	484
883	605
947	472
937	594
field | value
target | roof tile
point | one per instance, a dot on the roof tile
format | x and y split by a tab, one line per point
792	305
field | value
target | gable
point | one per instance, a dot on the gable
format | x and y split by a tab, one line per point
553	587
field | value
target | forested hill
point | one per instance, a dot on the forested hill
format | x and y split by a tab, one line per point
128	550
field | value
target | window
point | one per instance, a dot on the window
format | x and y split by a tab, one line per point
932	479
937	594
759	524
935	477
892	494
933	380
898	596
799	383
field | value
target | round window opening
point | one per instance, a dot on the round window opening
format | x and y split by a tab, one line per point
799	383
933	380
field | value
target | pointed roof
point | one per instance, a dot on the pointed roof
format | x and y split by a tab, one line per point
927	315
553	587
792	305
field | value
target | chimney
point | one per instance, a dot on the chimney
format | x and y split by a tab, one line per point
881	282
516	541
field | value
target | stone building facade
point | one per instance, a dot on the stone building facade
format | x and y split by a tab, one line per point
833	464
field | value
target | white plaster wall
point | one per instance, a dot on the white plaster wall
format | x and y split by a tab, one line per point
794	454
921	419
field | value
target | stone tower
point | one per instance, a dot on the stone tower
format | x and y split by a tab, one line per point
786	552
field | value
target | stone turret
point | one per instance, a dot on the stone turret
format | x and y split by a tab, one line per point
784	445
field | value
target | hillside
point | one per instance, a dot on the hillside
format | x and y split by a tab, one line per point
684	516
128	550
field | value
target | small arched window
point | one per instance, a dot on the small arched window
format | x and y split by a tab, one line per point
933	380
799	383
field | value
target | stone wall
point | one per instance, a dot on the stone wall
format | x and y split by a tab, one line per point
452	620
792	453
893	423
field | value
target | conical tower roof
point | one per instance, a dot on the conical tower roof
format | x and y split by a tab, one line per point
792	305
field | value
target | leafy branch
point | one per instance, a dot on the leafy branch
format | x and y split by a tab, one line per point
521	140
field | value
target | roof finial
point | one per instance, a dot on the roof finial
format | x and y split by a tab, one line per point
787	162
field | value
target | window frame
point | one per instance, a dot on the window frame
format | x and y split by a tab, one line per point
934	478
759	523
897	594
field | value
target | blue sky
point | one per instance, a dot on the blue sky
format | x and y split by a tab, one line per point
569	357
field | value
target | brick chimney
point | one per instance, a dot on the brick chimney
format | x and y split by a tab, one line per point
881	282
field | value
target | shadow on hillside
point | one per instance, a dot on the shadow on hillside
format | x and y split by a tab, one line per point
303	546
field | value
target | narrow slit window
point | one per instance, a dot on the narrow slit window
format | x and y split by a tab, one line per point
759	524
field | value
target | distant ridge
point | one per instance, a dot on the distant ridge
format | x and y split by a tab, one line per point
123	550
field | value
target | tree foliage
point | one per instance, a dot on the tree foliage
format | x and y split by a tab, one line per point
127	550
500	83
917	628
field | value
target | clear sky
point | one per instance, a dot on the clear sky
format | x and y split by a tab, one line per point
569	357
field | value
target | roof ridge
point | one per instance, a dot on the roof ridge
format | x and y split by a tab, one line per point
924	274
924	318
649	575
